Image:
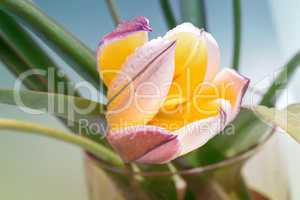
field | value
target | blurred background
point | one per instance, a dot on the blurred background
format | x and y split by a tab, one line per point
32	167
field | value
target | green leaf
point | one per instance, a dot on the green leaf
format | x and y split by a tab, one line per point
20	53
244	133
193	11
83	116
236	34
78	55
29	52
17	67
281	81
71	108
288	119
94	148
168	13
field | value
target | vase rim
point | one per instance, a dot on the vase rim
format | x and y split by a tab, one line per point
201	169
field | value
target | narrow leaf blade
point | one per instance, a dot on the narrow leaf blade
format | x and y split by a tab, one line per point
168	13
113	11
17	66
28	51
70	108
92	147
281	81
237	32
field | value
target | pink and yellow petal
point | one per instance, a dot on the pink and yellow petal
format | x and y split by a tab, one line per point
196	134
138	92
232	87
165	101
163	146
229	88
228	85
162	154
202	105
115	47
196	59
139	143
156	145
186	113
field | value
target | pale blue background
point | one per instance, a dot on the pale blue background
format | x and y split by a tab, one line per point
32	167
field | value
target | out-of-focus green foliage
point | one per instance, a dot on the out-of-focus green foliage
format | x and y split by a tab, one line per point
73	51
193	11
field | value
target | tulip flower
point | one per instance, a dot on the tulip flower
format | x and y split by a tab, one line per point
165	97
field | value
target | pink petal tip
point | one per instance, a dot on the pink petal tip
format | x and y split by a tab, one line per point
144	144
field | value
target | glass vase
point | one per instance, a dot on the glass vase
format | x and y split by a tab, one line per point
218	181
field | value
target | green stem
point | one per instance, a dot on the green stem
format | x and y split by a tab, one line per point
281	81
29	51
17	66
202	15
79	56
88	145
168	13
20	52
237	34
194	11
113	11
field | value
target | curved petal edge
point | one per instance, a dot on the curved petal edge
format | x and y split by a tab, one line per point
137	24
144	144
115	47
196	134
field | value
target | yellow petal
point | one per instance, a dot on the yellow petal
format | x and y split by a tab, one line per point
196	59
232	87
203	105
227	86
137	93
115	47
207	101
